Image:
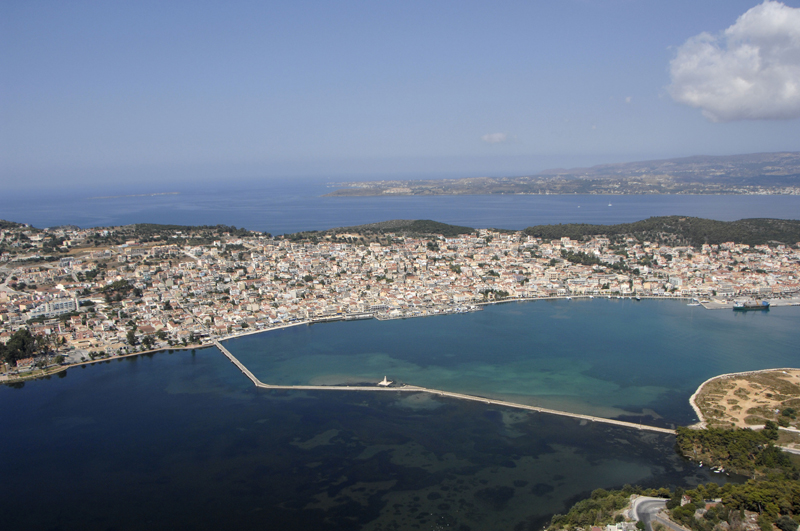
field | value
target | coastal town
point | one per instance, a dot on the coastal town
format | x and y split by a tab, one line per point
87	294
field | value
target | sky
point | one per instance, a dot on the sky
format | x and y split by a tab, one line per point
158	92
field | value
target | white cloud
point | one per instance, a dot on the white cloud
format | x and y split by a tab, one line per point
749	72
628	99
495	138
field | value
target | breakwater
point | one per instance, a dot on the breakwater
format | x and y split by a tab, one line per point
416	389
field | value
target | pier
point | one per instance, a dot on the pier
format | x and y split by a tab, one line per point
417	389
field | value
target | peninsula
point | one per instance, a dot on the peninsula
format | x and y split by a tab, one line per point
747	399
758	173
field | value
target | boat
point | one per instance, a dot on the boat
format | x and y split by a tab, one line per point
638	298
693	304
750	305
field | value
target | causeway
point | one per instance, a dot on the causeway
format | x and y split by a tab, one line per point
417	389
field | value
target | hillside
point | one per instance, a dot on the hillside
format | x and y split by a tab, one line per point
765	169
411	227
682	230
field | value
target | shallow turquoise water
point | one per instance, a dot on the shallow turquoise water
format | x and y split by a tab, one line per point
607	357
185	441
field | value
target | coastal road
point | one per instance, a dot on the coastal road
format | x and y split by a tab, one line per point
645	507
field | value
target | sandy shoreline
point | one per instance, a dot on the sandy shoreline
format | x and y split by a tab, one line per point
701	424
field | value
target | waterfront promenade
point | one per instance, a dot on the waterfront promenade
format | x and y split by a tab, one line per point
417	389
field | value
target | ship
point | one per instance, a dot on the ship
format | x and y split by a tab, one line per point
751	305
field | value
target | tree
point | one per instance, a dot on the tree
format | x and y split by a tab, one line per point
132	337
21	345
147	342
785	523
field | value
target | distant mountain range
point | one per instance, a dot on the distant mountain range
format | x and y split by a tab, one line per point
758	173
753	169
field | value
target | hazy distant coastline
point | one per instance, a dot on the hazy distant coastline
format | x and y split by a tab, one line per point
133	195
755	174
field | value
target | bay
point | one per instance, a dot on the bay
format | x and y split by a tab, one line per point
616	358
184	440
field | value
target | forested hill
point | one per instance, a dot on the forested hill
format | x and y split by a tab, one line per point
682	230
672	230
405	226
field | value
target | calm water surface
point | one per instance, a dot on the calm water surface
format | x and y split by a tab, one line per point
613	358
184	440
285	206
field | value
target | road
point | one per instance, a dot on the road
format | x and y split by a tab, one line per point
8	272
646	509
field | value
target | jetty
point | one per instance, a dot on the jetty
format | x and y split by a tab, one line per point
416	389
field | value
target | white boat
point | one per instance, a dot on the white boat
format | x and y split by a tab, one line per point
693	304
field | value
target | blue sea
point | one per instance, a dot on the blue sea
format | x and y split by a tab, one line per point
183	440
286	206
615	358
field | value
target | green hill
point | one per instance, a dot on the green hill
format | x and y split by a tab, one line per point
678	230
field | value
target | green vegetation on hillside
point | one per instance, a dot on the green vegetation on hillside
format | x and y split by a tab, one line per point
743	451
9	224
176	234
601	508
773	493
419	227
681	230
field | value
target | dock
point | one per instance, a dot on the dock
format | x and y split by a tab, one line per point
416	389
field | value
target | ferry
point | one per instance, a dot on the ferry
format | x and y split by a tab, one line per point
750	305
